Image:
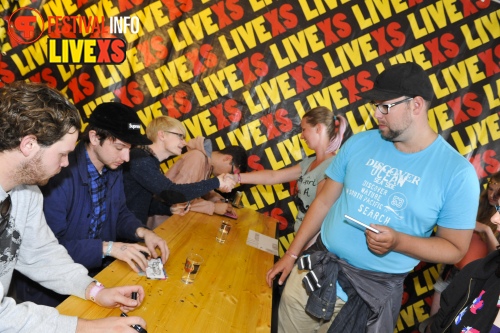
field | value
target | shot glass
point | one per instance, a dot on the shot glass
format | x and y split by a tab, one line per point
191	268
224	229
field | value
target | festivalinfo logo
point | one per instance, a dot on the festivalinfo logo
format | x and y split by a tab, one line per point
26	25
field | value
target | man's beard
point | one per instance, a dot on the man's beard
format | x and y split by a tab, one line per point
32	172
390	135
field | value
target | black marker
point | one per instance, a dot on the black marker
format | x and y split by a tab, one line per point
136	327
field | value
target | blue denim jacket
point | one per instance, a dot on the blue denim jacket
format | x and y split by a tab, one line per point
374	298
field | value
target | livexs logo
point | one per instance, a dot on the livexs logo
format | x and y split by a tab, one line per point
87	51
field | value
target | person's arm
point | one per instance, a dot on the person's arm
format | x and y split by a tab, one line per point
489	236
455	223
310	227
131	228
203	206
120	296
112	298
270	177
109	325
448	246
29	317
145	172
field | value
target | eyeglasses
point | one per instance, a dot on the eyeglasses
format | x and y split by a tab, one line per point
234	168
180	135
5	207
385	108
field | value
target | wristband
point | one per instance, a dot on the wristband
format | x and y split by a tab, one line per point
95	290
294	256
108	249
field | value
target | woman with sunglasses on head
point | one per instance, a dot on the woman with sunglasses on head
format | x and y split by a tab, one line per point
147	190
323	132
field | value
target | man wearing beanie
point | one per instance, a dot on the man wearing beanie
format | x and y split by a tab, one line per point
403	180
85	205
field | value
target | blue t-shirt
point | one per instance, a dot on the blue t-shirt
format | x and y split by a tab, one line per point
410	193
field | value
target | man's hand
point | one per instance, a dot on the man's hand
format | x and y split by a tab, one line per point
180	208
226	183
283	266
109	325
382	242
131	254
153	241
120	297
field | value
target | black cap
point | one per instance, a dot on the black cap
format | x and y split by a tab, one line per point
121	121
408	79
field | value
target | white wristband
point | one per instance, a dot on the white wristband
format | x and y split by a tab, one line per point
108	250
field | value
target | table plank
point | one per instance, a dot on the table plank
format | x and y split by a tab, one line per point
230	293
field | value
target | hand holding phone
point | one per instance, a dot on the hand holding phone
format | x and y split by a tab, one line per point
366	226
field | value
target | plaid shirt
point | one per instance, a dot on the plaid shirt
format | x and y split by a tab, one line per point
98	194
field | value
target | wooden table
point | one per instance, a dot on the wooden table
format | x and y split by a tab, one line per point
230	293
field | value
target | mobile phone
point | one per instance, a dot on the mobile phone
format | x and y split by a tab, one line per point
362	224
231	215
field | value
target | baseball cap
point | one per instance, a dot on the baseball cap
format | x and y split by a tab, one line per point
121	121
408	79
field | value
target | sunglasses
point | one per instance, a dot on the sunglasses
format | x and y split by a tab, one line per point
385	108
5	207
497	207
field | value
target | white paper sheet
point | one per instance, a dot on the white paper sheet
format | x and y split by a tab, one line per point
262	242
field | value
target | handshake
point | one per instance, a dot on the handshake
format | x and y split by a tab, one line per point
228	182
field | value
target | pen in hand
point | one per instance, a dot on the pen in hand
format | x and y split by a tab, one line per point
136	327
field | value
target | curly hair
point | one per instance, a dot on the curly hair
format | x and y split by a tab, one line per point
34	109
